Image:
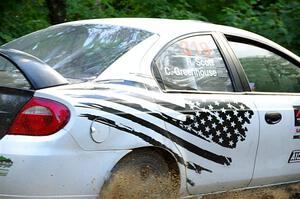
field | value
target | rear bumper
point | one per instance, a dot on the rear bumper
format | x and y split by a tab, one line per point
53	167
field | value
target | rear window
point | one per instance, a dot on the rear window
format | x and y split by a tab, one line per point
80	52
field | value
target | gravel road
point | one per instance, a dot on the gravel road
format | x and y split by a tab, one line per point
291	191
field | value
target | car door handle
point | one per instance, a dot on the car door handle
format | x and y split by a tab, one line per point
273	117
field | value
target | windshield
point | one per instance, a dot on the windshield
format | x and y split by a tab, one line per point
80	52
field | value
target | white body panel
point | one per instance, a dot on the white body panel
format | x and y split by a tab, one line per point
276	141
235	172
54	166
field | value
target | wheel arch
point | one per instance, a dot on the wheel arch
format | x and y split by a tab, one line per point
168	155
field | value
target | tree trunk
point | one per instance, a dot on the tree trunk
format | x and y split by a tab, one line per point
57	11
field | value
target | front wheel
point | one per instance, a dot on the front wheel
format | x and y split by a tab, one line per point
141	174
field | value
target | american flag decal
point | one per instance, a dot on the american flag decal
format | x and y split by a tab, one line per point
222	122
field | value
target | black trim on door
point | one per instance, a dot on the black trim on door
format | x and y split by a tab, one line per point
235	63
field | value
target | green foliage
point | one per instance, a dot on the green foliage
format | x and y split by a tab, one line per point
19	17
278	20
86	9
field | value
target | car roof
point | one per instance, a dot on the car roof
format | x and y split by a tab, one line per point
174	28
160	26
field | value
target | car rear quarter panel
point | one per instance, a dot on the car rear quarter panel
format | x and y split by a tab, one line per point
107	111
53	166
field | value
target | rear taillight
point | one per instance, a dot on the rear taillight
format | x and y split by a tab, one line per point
40	117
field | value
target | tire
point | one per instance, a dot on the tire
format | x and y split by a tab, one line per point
141	174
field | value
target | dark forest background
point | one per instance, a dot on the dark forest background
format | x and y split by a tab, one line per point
278	20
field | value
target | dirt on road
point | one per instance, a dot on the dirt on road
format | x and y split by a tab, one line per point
291	191
127	184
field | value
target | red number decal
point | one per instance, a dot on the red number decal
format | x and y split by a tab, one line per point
201	48
186	48
206	51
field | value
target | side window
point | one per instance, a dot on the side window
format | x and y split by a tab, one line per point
267	71
193	64
10	76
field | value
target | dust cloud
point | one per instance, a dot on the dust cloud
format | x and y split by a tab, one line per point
127	185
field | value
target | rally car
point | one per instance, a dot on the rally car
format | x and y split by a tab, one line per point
123	108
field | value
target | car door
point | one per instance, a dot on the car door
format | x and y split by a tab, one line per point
274	78
215	128
14	93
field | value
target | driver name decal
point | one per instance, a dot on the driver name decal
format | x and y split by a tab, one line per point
191	72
